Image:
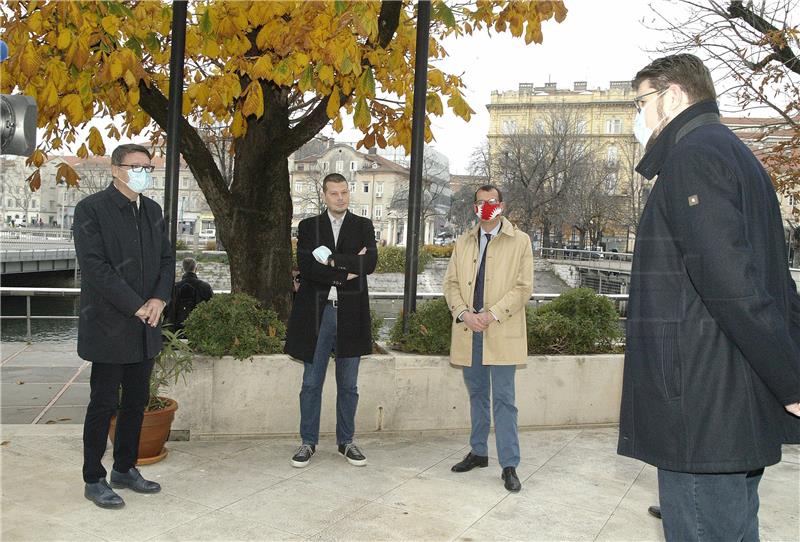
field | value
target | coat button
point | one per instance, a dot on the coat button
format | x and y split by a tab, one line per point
465	329
469	283
474	261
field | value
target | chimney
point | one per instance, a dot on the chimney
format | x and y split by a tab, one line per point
549	87
579	86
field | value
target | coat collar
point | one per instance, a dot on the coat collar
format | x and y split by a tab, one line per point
119	198
506	228
699	114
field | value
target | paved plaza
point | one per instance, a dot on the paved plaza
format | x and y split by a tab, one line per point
574	488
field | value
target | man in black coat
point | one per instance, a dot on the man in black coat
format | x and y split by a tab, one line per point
335	252
128	269
712	367
189	292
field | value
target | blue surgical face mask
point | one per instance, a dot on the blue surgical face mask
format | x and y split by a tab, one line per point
139	181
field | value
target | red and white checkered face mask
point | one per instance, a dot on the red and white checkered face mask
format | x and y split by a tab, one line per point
488	210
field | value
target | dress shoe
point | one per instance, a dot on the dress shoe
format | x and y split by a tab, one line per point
133	480
471	461
102	495
509	476
654	511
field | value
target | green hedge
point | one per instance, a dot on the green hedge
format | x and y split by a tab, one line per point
234	325
577	322
393	260
439	251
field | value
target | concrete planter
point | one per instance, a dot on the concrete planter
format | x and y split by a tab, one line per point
398	392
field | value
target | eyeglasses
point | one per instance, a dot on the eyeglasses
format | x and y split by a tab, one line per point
492	201
138	168
639	102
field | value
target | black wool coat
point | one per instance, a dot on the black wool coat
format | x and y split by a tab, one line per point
124	262
713	339
354	330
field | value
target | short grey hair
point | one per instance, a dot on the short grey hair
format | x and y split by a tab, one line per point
189	265
119	154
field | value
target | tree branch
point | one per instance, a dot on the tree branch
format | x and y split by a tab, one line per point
783	54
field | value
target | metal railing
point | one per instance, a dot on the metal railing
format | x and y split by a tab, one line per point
33	254
34	234
612	261
620	301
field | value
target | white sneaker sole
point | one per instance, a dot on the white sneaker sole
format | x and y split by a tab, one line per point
300	464
356	462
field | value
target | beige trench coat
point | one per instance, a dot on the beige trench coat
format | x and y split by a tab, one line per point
507	288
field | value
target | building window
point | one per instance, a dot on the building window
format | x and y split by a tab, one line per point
339	166
184	184
613	155
379	190
509	127
366	188
377	235
583	127
300	167
298	186
352	187
539	127
365	210
614	126
353	166
611	183
379	212
9	203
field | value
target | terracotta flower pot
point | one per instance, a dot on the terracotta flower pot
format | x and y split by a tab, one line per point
155	431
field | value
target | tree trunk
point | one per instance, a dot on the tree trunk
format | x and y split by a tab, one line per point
546	234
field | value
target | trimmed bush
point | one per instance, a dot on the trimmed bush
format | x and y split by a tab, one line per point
429	330
234	325
577	322
180	244
393	260
439	251
377	324
211	245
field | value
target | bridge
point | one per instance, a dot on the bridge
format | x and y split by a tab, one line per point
36	250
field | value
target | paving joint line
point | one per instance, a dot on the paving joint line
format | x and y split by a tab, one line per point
15	354
60	393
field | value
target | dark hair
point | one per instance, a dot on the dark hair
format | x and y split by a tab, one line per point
686	71
488	188
119	154
332	178
189	265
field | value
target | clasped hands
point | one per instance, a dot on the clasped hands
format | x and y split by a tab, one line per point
150	312
478	322
323	255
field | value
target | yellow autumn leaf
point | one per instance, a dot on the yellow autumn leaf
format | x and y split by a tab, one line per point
65	173
362	116
133	95
30	61
35	180
326	75
73	108
64	39
262	69
36	159
237	126
96	144
333	104
82	152
115	68
253	101
110	24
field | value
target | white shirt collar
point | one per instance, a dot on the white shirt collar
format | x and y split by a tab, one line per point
494	232
334	220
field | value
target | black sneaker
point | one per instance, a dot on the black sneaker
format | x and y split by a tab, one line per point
353	454
303	455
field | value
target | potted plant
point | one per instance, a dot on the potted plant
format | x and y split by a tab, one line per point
174	362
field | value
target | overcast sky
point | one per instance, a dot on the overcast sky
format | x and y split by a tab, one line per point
599	41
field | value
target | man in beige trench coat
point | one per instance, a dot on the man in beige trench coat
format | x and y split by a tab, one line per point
488	282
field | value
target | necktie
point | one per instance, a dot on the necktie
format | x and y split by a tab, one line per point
479	279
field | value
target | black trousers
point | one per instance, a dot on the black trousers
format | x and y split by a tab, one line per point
104	402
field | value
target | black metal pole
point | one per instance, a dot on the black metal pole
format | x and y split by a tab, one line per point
174	119
417	149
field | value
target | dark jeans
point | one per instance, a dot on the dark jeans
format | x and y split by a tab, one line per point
709	507
314	379
480	379
104	400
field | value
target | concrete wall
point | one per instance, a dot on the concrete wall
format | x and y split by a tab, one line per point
568	273
398	392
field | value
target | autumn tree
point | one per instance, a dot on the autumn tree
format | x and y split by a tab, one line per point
753	48
272	73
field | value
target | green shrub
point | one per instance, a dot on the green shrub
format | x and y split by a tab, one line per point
429	330
393	260
377	324
577	322
439	251
235	325
180	244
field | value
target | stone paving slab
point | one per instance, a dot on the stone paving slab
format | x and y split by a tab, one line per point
574	488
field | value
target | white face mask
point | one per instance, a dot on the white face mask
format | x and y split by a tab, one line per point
640	129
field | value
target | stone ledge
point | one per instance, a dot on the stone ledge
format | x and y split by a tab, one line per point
398	392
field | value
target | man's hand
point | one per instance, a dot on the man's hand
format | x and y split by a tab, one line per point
794	408
485	318
351	276
473	322
150	312
362	251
